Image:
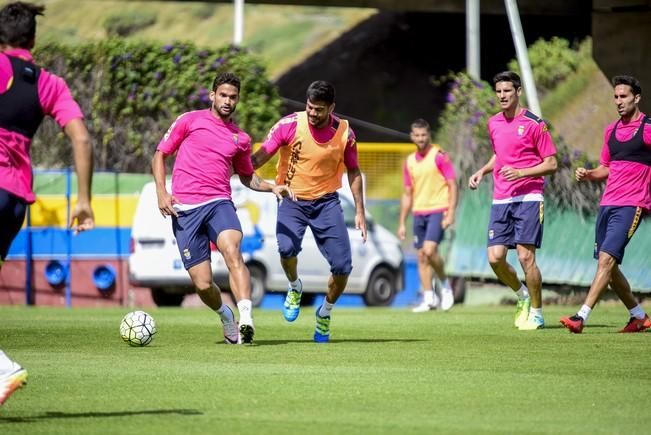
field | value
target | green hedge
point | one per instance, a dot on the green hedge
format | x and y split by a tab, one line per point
130	92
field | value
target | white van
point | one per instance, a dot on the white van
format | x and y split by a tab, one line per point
155	261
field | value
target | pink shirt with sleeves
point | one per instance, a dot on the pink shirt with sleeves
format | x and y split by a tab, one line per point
282	134
443	164
56	101
207	148
628	183
520	142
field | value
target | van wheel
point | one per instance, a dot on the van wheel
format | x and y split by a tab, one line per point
381	288
165	299
257	285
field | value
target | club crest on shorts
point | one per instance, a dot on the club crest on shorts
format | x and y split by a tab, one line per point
186	254
520	130
491	234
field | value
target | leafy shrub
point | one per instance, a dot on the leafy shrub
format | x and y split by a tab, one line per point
126	23
551	62
130	93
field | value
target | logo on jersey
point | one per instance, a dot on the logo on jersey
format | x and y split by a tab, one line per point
186	254
520	130
235	139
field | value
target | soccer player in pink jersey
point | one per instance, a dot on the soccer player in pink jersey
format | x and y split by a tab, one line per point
315	147
430	193
625	164
27	94
523	153
208	144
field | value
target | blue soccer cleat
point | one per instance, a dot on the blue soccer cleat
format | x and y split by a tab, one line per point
322	330
292	305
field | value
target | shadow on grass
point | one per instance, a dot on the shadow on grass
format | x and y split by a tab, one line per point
353	340
54	415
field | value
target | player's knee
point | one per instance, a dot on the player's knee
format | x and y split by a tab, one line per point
496	260
526	258
606	261
203	286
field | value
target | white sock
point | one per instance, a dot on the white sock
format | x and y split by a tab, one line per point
428	297
325	309
637	312
523	292
225	313
584	312
244	306
296	285
445	285
535	312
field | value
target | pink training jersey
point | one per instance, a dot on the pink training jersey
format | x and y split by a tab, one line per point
56	101
206	148
282	134
628	183
519	142
443	164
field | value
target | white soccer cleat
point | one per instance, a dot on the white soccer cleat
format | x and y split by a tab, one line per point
231	332
11	380
447	299
423	307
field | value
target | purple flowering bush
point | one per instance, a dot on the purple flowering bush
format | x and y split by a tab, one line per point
131	92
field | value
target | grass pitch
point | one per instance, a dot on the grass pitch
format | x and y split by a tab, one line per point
385	371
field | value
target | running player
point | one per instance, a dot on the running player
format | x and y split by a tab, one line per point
208	144
523	154
315	146
626	165
431	194
27	94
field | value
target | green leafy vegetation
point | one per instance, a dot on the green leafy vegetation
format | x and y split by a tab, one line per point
131	92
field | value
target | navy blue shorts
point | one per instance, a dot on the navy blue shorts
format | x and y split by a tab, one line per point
195	229
12	215
428	227
615	227
516	223
325	217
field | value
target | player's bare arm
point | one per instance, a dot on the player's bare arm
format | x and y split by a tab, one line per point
599	173
405	205
475	179
82	218
357	188
449	214
546	167
260	157
254	182
165	199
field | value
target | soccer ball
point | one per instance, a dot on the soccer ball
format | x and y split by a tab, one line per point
137	328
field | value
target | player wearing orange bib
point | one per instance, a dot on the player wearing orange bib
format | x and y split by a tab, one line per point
315	147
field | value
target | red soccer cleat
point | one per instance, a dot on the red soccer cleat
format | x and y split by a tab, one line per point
573	323
637	325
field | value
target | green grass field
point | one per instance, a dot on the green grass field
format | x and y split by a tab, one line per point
385	371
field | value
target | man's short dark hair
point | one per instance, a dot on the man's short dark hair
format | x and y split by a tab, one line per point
628	80
420	123
227	78
508	76
18	24
321	91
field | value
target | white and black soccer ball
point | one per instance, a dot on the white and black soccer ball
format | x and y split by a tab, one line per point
137	328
